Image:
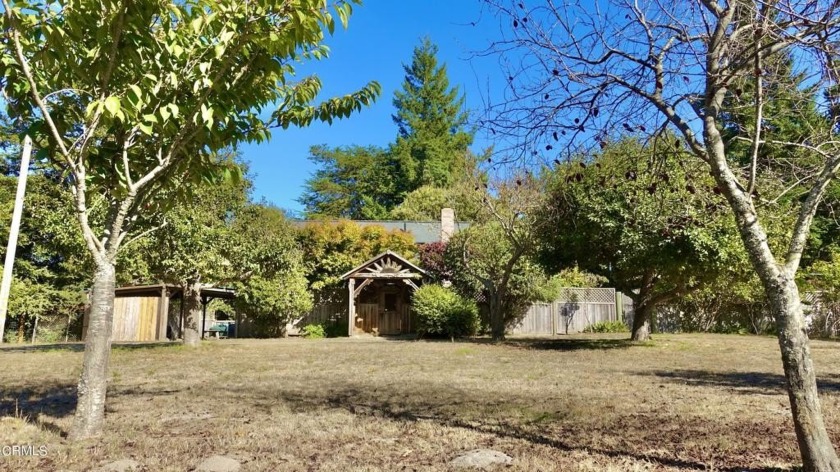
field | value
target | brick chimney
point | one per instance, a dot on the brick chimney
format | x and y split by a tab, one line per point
447	224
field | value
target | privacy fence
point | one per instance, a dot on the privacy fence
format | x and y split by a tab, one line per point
574	310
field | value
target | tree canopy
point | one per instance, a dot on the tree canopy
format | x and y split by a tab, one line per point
333	248
433	139
430	154
646	218
352	182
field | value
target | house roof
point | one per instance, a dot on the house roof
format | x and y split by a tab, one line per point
387	254
155	290
424	232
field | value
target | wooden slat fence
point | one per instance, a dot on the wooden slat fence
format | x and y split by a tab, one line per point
135	318
572	312
321	313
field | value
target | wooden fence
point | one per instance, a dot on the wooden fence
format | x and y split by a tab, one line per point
321	313
572	312
136	319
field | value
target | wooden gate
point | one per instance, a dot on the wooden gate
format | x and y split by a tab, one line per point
376	319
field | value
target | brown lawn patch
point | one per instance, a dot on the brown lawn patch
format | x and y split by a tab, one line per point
577	403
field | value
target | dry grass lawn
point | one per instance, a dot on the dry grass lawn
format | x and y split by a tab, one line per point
578	403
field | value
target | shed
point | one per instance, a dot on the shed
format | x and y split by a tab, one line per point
383	287
143	312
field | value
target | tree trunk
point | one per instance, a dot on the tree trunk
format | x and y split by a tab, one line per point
641	323
497	319
90	408
815	446
21	331
642	308
35	329
192	310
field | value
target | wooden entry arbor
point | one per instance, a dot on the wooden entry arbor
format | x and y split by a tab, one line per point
383	286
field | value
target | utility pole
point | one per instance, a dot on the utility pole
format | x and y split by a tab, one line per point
6	283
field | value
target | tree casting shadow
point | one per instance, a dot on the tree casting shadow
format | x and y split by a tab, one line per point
575	344
749	383
80	346
380	403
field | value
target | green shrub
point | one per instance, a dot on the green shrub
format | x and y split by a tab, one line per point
50	334
313	331
335	329
441	311
607	327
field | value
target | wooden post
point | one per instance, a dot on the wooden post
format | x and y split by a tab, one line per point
67	331
554	318
619	306
35	329
351	307
163	313
6	283
203	315
181	318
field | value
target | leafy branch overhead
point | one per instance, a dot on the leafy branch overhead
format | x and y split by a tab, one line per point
162	84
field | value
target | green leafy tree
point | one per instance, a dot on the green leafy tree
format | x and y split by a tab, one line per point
425	203
351	182
487	266
270	303
189	244
576	277
220	238
493	259
51	264
332	249
425	167
443	312
649	222
134	97
431	148
270	271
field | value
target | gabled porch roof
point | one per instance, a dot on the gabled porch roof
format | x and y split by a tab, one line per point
388	265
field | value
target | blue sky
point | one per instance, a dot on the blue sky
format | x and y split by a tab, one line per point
381	37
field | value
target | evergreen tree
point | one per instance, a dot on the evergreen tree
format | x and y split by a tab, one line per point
353	182
367	182
432	143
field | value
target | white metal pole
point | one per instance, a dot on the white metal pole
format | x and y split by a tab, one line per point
6	283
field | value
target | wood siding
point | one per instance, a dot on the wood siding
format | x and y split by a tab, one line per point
322	313
136	319
400	322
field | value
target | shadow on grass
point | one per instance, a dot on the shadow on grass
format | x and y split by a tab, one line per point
748	383
539	343
451	408
575	344
447	409
80	346
55	401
